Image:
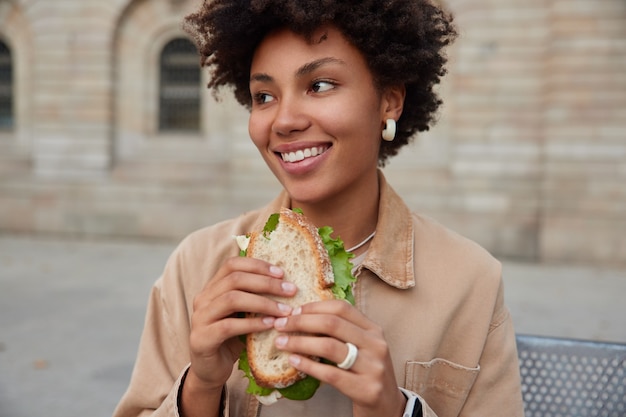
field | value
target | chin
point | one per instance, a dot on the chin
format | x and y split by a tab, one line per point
305	195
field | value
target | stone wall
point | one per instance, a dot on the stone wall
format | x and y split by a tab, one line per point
584	181
528	158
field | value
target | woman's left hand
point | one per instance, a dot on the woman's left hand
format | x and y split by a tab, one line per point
370	382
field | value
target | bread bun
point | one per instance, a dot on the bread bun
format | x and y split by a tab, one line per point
295	246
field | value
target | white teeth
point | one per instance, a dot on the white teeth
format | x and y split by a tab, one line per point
302	154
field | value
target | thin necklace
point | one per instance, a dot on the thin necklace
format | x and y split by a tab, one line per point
367	239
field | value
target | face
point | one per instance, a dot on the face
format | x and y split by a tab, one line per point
316	116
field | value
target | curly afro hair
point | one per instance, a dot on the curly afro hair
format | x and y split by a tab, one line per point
402	41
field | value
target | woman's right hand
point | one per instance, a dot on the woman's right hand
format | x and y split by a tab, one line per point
239	286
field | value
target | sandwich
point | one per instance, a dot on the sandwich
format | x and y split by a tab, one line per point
321	269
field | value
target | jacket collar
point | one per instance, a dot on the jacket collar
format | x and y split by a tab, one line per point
390	255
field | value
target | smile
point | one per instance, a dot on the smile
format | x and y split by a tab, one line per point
302	154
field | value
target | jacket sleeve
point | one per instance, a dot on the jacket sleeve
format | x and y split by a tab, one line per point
163	355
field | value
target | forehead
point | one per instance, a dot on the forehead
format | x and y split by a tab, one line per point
284	49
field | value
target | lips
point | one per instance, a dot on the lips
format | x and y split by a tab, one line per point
302	154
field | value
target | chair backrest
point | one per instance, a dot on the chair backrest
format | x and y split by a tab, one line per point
572	378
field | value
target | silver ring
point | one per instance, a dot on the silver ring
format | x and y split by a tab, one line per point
353	352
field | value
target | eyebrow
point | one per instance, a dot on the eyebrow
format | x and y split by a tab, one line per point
312	66
307	68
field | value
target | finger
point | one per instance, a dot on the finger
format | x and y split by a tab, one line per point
252	283
347	382
233	302
328	348
244	282
339	308
219	332
252	265
363	387
321	324
242	265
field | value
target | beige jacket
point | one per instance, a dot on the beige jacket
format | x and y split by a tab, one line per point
437	295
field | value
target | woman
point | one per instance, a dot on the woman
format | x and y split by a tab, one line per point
334	89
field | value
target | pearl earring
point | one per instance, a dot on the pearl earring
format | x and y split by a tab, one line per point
389	132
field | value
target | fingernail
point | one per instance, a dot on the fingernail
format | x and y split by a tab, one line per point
294	360
296	311
281	341
284	308
288	287
280	322
268	321
276	271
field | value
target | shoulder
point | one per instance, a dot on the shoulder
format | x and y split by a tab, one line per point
201	253
217	240
430	234
454	257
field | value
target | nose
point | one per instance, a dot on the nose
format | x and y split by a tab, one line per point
290	117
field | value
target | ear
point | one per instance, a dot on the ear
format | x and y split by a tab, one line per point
392	102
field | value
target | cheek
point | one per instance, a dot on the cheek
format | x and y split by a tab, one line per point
357	124
356	115
257	131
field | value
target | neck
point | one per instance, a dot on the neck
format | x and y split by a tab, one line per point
352	217
361	244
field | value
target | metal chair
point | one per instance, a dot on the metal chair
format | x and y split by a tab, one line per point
572	378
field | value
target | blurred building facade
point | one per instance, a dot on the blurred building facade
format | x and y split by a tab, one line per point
528	158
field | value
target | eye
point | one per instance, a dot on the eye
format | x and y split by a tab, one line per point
322	86
262	98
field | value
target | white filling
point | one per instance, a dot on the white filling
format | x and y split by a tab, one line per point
270	398
242	241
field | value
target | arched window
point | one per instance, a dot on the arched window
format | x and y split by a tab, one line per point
179	87
6	88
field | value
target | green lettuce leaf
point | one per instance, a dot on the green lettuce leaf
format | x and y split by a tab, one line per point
271	224
301	390
342	267
253	387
